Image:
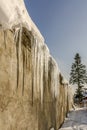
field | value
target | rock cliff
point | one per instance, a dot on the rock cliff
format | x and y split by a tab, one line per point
33	93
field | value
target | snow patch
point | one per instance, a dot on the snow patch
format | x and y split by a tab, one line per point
13	12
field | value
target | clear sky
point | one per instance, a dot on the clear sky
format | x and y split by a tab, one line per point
63	24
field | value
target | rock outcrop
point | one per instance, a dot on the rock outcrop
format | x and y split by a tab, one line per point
33	93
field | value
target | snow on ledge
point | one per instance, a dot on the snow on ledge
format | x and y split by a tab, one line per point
13	12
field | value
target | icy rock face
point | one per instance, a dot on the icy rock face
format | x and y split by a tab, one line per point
33	94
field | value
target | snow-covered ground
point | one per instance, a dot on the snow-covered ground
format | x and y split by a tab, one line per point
77	120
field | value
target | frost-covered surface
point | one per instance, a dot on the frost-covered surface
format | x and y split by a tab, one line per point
13	12
77	120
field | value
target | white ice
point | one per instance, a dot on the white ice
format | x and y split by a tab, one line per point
13	12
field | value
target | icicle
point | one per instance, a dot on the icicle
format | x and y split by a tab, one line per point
52	76
53	68
56	81
26	57
45	69
23	71
17	54
33	63
12	60
41	74
5	35
16	32
17	39
35	68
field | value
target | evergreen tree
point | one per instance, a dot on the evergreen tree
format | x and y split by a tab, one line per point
78	76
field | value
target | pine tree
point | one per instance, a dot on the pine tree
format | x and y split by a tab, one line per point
78	76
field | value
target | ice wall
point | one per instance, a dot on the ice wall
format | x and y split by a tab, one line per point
33	93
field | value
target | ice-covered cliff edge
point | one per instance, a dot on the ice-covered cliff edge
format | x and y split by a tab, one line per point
13	12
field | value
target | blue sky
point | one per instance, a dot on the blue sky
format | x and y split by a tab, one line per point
63	24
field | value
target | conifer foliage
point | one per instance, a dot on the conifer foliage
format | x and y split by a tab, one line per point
78	75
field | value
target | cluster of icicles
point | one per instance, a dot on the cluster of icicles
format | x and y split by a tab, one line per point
45	71
45	68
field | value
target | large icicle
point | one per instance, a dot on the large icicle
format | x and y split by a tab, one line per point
18	41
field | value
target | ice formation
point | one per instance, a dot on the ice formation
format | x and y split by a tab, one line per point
29	76
14	13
